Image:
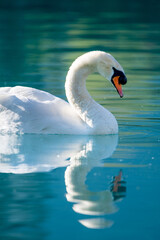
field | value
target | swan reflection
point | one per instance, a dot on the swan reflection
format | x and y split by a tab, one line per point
88	202
80	154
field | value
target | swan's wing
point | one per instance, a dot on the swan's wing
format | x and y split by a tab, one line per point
33	111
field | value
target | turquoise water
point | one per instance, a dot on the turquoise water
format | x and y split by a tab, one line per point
83	187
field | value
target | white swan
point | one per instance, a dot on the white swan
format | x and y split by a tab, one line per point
29	110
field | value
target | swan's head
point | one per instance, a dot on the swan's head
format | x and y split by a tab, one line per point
109	68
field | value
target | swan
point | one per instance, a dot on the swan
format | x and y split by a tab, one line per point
29	110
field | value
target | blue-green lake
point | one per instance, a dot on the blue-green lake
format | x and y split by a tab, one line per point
83	187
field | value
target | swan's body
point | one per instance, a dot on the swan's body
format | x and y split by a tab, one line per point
29	110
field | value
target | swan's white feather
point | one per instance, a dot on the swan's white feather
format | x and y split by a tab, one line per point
28	110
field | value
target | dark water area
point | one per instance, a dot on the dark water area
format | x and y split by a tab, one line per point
83	187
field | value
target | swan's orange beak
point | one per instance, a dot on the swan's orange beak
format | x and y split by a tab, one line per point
118	86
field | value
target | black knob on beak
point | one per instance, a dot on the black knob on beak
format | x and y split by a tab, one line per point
122	79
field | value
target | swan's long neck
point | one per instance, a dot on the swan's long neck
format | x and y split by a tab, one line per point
79	98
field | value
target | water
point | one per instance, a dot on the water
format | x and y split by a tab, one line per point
79	187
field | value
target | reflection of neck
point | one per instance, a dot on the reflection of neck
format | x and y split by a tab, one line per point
75	175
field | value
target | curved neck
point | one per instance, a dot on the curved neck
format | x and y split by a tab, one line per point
77	94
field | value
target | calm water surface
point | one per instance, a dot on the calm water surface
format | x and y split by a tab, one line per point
79	187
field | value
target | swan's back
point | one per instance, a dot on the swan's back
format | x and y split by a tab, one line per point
27	92
28	110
